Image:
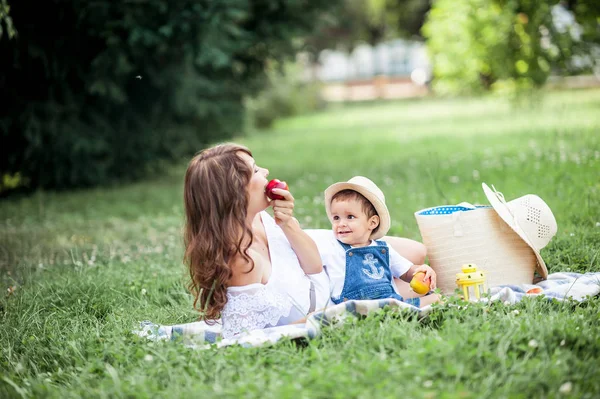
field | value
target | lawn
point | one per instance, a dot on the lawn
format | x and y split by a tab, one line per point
80	269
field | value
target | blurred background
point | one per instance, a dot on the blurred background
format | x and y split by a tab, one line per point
101	92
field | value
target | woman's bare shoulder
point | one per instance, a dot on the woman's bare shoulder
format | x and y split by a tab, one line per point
247	271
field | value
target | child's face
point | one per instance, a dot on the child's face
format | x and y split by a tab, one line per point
350	224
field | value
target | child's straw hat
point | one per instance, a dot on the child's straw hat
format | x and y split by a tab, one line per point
371	192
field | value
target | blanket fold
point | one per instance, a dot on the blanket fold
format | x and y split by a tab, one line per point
560	286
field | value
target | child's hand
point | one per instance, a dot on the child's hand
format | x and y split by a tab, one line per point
429	274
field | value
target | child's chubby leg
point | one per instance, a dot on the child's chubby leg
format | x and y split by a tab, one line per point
429	299
403	288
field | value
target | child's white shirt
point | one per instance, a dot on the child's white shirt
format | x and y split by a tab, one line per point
333	257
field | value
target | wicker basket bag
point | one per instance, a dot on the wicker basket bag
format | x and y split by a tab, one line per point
503	239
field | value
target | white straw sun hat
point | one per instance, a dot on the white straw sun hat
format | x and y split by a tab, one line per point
530	217
371	192
503	239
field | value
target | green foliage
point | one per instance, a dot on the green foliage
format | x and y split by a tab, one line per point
505	45
371	21
408	16
286	94
88	266
94	91
587	14
5	19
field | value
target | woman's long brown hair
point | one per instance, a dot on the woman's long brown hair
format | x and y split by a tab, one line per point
216	231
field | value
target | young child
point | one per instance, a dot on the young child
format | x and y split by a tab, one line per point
360	266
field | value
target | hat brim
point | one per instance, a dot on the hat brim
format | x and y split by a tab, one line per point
506	215
380	207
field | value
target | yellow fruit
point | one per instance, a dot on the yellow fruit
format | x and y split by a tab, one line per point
418	284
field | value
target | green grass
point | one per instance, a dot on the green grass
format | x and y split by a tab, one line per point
87	266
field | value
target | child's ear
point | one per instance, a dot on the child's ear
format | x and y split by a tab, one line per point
373	222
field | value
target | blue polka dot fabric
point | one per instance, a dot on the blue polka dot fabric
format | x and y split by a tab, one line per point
448	209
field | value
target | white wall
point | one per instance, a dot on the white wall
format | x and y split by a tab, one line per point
393	58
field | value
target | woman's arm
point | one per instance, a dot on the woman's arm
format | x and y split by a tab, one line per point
305	248
412	250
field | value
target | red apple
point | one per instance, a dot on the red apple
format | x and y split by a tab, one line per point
275	183
535	290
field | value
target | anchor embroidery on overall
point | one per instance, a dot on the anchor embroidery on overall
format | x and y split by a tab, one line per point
375	273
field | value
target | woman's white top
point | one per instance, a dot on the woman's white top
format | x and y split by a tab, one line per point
284	299
256	306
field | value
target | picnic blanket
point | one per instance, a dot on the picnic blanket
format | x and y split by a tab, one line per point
560	286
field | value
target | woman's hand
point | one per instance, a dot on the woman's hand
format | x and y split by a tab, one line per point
429	274
283	209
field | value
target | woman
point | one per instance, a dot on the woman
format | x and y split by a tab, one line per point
246	267
227	237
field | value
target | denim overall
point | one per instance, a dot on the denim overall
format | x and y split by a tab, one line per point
368	274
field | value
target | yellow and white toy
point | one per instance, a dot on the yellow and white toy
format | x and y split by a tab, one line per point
471	281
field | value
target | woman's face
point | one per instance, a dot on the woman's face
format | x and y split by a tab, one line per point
258	200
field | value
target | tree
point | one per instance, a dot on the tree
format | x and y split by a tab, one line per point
587	15
370	21
408	16
104	90
6	20
507	45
